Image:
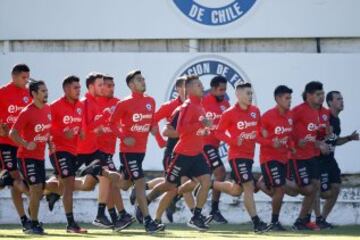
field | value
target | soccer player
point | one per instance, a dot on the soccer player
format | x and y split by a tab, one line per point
106	144
14	96
31	132
238	128
305	165
275	137
215	104
330	173
66	113
132	122
188	158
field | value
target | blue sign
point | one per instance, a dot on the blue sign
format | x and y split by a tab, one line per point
214	16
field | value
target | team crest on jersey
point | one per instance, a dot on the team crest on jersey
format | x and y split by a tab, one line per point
148	107
25	99
207	67
78	110
253	115
214	13
223	108
290	121
324	117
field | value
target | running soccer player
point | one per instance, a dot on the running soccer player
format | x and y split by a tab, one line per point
238	128
132	122
14	96
31	132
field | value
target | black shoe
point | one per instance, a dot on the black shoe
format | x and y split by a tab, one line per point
323	224
94	169
38	230
300	225
123	222
132	197
26	226
128	215
6	179
75	228
138	215
160	222
153	227
277	227
197	223
260	227
102	221
52	198
218	217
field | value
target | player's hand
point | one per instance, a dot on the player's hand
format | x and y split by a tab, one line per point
276	143
154	130
99	130
30	146
69	134
239	140
82	134
4	130
206	122
354	136
129	141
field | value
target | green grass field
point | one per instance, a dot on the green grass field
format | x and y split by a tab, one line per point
178	231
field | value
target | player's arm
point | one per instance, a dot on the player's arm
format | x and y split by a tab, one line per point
222	128
15	135
184	125
352	137
115	119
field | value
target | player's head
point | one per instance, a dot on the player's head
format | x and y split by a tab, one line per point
71	87
180	85
314	93
38	91
136	81
20	75
193	86
282	95
94	83
244	93
335	100
108	87
218	86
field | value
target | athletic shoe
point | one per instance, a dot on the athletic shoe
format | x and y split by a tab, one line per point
197	222
122	222
260	227
37	230
218	217
277	227
323	224
313	226
299	225
153	227
52	198
102	221
75	228
26	226
157	221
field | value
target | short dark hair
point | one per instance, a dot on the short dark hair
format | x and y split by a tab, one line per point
91	78
190	78
242	85
282	89
330	96
34	86
130	76
180	81
312	87
69	80
19	68
217	80
108	77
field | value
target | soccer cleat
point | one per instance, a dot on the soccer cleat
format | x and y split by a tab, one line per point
197	222
103	222
26	226
52	198
277	227
75	228
323	224
218	217
123	222
299	225
153	227
157	221
132	197
36	230
260	227
138	215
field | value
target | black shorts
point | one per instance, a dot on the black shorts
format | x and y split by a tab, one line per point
63	164
212	154
274	173
330	173
107	161
167	159
33	170
241	170
189	166
305	170
289	174
8	157
131	165
87	159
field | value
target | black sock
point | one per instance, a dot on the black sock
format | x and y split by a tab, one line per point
23	219
274	218
34	223
147	219
307	218
214	206
122	213
197	212
255	220
70	218
319	218
192	210
113	215
147	186
101	210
